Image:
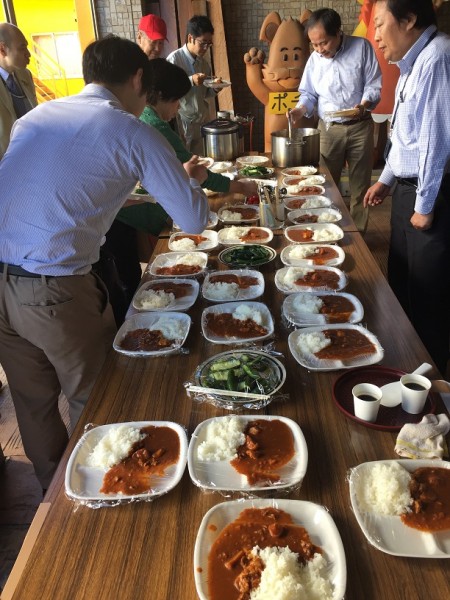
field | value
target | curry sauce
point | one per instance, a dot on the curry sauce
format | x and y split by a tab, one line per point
269	444
430	490
148	458
345	344
233	571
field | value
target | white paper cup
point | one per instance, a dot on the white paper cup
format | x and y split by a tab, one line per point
366	401
415	390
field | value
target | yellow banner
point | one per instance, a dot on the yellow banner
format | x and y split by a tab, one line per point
280	102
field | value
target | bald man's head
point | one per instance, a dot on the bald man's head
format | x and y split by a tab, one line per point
14	52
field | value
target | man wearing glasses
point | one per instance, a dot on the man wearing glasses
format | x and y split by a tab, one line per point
196	107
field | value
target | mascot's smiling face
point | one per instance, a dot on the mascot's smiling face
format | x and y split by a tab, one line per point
289	51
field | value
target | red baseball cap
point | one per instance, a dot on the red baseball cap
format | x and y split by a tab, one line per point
154	27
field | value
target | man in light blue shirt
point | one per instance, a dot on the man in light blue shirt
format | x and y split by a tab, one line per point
196	107
69	168
418	161
342	73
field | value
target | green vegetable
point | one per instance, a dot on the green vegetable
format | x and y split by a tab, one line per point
252	254
255	171
241	373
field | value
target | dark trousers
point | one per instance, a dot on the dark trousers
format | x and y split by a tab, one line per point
419	269
119	267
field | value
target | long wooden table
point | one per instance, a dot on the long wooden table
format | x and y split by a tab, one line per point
145	550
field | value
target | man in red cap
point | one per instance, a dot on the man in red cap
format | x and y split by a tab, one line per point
151	35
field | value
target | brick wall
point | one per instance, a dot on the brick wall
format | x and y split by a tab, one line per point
120	17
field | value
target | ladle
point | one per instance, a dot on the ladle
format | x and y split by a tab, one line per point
392	392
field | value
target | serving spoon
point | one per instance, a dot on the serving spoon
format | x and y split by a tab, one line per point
392	392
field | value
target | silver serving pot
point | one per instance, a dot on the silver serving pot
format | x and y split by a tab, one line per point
223	139
302	149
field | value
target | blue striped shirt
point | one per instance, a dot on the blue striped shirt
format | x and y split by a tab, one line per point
69	168
421	129
351	76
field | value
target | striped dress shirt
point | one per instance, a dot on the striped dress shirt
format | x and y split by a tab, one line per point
421	126
69	168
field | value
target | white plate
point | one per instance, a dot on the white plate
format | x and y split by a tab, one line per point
301	190
293	215
221	166
303	318
306	202
209	83
344	113
290	289
212	221
311	362
210	243
314	518
182	303
303	180
205	161
253	160
170	259
243	230
254	291
84	483
232	208
230	307
146	320
288	255
390	534
302	171
220	475
334	230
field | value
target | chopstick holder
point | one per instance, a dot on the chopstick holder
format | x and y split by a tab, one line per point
425	439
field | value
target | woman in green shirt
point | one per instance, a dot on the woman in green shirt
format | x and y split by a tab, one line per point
169	84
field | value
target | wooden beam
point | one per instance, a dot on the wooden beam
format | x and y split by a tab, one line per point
219	53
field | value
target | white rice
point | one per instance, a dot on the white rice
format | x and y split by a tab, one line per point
313	203
114	446
172	329
299	251
221	290
385	490
310	343
284	578
307	303
233	233
313	180
229	215
154	299
243	312
190	259
292	274
324	235
222	438
327	217
183	244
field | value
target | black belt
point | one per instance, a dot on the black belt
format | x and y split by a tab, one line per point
19	272
351	122
413	181
410	181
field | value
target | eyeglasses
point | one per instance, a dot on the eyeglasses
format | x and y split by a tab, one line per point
203	44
